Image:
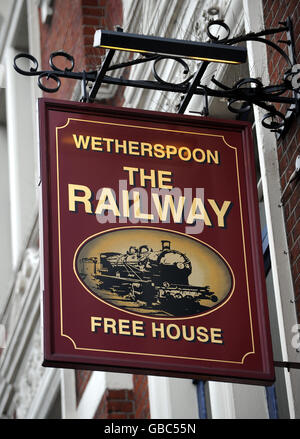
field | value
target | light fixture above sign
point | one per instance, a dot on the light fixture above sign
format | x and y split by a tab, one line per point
221	53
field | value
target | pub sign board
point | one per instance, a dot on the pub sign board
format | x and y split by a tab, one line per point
152	259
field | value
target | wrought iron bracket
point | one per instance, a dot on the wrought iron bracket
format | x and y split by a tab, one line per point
287	364
240	97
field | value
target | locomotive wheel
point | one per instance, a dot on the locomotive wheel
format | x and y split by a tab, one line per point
214	298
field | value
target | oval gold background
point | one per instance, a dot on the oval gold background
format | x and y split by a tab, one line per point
208	266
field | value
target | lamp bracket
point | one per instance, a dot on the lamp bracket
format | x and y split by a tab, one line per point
240	97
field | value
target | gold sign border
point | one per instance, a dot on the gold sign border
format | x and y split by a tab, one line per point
59	246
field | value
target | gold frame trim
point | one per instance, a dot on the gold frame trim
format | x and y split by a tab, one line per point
59	246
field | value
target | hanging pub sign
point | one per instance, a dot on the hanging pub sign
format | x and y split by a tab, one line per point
151	244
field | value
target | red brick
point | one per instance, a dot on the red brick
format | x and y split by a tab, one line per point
87	20
118	394
88	40
296	231
99	12
120	406
90	2
295	270
295	251
291	222
89	30
297	263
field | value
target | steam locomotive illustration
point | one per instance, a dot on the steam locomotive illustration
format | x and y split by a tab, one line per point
155	277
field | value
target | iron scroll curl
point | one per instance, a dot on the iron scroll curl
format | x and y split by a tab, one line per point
216	38
186	70
33	71
55	73
65	55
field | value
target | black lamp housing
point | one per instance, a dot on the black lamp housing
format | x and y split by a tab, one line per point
212	52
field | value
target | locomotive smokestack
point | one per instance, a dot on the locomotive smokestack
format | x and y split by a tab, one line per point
165	245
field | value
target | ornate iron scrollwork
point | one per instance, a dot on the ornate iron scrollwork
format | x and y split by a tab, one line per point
55	74
261	95
240	97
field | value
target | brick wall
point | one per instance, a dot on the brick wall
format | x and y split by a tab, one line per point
116	404
126	404
289	145
72	29
63	33
98	14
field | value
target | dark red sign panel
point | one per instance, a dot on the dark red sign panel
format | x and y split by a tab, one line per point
152	247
